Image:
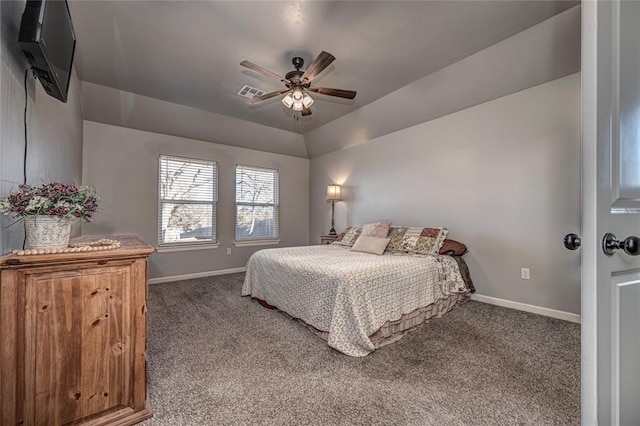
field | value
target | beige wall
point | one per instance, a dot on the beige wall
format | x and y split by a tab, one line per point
54	128
503	176
122	164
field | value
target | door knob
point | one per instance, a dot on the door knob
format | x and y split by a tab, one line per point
631	245
572	241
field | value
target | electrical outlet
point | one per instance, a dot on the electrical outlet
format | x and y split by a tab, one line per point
228	251
524	273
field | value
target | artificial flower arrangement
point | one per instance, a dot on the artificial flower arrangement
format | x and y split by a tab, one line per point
69	201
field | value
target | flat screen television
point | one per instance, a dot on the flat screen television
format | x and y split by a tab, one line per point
48	41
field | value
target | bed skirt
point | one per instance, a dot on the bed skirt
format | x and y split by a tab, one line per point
392	331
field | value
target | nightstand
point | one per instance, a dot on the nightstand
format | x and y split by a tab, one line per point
327	239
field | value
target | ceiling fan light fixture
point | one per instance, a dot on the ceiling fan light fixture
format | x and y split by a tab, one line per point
307	100
297	95
298	82
288	100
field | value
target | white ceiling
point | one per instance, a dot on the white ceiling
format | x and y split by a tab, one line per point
188	52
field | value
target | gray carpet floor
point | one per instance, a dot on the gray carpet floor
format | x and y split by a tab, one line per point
216	358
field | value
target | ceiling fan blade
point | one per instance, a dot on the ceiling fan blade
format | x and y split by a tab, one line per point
306	111
323	60
348	94
266	96
263	71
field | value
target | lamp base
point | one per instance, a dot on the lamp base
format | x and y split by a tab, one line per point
333	232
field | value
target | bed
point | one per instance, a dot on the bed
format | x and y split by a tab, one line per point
357	302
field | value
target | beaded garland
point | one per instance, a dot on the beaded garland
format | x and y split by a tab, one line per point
102	244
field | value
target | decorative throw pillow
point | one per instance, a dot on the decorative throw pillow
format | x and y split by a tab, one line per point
398	233
409	242
342	234
373	245
395	234
416	240
349	238
453	248
376	229
430	232
428	240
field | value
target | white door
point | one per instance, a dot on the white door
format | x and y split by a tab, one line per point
611	204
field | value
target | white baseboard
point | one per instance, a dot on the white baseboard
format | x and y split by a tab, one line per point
567	316
196	275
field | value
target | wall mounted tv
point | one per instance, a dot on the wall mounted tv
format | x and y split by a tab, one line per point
48	41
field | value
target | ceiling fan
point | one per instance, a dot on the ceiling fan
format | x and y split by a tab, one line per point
298	83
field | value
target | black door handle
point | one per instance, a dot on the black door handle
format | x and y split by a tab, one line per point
631	245
572	241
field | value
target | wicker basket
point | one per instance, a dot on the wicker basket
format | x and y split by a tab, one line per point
47	232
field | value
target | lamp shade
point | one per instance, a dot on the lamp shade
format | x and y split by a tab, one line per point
288	100
307	100
334	192
297	95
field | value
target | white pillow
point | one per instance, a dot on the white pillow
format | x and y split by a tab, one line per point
373	245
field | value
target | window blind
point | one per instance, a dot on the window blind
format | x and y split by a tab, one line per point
187	199
257	210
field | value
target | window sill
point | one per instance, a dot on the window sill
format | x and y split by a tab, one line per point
169	249
250	243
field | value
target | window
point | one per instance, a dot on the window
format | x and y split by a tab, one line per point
187	198
256	204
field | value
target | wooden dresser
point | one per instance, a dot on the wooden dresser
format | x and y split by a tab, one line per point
73	336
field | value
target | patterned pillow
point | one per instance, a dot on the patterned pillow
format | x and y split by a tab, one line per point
416	240
342	234
376	229
406	244
396	233
349	238
427	240
453	248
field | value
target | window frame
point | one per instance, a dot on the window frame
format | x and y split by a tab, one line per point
276	205
188	245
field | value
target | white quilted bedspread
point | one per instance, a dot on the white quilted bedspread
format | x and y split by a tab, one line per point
349	294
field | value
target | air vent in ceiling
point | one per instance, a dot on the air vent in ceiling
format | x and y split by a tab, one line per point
250	92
